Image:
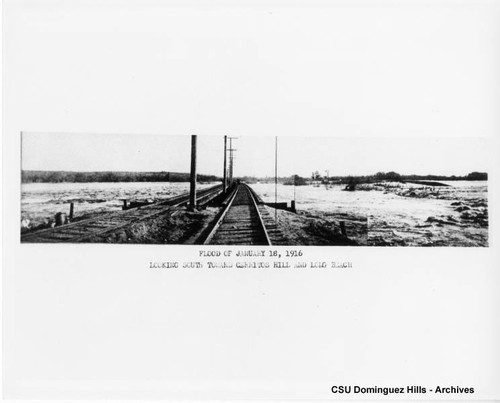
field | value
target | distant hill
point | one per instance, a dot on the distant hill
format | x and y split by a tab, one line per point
28	176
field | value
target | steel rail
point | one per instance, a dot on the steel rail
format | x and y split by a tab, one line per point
220	219
261	222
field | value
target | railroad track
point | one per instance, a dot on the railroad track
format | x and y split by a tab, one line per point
80	231
244	221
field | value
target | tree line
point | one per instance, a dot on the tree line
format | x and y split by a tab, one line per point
396	177
28	176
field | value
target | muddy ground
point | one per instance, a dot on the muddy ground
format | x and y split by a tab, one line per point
308	228
183	227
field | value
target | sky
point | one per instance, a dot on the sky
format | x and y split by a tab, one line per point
254	155
306	68
353	87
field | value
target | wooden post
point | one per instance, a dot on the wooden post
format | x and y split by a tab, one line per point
293	206
342	228
124	204
71	210
224	183
60	219
192	189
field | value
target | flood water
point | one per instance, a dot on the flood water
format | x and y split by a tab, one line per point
41	201
400	214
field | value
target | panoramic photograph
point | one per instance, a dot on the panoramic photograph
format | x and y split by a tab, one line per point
253	190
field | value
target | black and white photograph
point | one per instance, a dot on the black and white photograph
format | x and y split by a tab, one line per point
230	190
250	200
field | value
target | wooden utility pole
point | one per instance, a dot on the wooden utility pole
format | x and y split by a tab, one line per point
231	159
276	178
192	189
224	184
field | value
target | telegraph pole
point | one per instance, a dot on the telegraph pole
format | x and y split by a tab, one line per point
224	183
231	159
276	179
192	189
